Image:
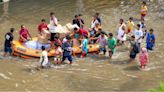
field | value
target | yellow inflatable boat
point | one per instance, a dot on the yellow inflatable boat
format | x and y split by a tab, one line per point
19	49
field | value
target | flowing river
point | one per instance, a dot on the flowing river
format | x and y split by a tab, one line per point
95	72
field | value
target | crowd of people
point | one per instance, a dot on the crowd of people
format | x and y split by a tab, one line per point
93	35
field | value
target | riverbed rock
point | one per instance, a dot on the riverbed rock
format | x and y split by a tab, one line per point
4	76
161	12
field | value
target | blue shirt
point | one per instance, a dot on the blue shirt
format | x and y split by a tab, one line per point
66	47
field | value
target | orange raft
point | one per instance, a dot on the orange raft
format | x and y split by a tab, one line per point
20	50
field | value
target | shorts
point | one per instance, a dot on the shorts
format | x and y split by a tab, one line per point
69	57
52	36
8	49
129	30
143	15
133	56
44	63
103	49
111	52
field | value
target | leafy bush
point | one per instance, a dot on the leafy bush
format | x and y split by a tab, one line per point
160	89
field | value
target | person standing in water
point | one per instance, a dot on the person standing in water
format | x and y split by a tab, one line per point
53	25
111	44
43	58
121	35
143	28
58	53
144	10
130	24
144	58
66	46
134	48
84	46
150	40
138	35
8	42
102	40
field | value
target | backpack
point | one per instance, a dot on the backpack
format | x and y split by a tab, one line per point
136	48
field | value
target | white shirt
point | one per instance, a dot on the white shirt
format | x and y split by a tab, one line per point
103	41
64	40
93	23
52	27
138	34
44	58
121	32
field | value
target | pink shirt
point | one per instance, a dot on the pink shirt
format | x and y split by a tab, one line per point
83	32
143	58
58	51
24	33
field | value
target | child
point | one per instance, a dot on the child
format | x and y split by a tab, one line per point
43	58
84	46
143	58
111	44
58	53
143	10
130	24
66	46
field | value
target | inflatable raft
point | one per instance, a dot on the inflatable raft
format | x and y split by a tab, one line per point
19	49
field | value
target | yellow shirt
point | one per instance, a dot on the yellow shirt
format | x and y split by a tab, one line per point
144	9
130	25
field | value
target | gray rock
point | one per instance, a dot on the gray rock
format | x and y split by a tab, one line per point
1	57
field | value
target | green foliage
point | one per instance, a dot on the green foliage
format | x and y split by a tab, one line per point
160	89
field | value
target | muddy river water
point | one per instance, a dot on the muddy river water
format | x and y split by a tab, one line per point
95	72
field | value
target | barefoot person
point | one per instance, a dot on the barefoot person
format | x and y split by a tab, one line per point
121	35
8	39
111	44
24	34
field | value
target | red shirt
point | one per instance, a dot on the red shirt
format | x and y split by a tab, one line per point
24	33
83	32
42	26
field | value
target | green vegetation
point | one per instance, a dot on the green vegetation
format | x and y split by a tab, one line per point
160	89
